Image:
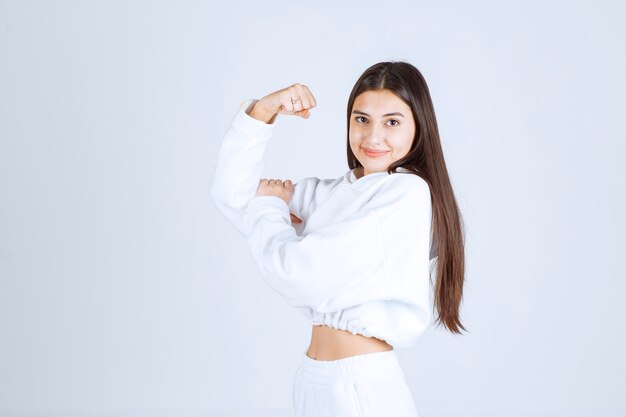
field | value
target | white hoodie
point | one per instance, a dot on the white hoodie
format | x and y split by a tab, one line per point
359	261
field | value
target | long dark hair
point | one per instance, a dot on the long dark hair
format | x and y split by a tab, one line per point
425	158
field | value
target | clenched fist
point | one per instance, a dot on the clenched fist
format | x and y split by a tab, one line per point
296	100
278	188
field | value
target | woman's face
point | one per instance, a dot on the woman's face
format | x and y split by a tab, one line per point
381	129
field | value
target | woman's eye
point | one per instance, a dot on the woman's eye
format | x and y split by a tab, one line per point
359	117
396	122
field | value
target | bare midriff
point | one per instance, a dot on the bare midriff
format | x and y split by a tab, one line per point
328	344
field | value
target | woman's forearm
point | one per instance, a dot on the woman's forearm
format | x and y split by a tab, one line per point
261	112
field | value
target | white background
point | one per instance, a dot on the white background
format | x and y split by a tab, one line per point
123	292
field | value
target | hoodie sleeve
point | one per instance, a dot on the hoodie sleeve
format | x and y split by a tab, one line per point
345	262
303	193
240	165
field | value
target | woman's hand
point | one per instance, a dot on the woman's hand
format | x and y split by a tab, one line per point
296	100
280	189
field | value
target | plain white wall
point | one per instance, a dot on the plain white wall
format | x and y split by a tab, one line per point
123	292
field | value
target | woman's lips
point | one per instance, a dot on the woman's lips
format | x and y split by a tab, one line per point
373	153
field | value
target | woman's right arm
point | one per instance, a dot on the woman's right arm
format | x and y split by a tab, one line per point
239	164
240	158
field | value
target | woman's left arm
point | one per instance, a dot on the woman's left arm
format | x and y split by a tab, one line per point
380	253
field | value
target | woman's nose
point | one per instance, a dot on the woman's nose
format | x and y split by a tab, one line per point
376	134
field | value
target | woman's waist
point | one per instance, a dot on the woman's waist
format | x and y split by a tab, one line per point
328	343
395	322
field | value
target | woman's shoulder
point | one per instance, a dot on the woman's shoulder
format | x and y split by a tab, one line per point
397	189
407	182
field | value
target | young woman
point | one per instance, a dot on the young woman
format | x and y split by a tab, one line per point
353	253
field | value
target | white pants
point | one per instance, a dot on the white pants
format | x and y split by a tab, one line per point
367	385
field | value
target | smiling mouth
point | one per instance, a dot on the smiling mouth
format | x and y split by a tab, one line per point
373	153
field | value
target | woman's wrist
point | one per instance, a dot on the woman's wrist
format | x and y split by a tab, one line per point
261	112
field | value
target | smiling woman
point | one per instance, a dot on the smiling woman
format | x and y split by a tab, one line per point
380	133
357	261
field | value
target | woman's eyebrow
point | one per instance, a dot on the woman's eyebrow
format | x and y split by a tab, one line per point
384	115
